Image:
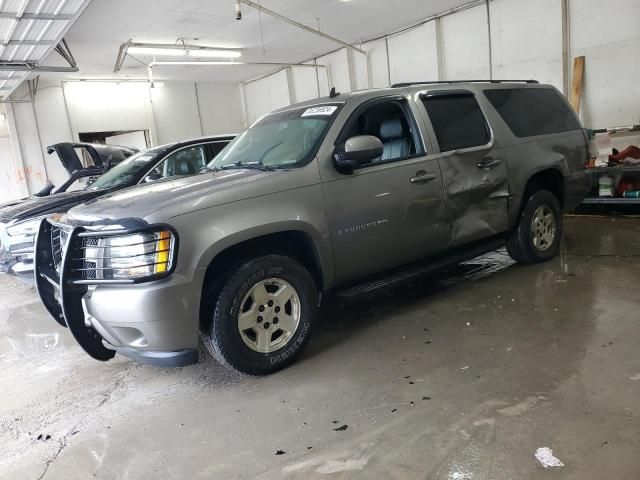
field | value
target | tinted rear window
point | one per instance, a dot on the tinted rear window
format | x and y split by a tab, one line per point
531	112
457	120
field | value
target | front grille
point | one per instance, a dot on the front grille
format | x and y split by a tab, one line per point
59	239
89	268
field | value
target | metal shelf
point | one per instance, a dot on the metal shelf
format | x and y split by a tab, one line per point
610	201
628	168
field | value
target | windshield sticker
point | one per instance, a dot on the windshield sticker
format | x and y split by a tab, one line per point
323	110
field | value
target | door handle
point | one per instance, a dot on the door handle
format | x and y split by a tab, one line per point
488	163
423	177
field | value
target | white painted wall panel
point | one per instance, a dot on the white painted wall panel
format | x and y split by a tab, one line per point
175	111
413	55
305	83
361	71
323	77
13	182
378	65
609	37
267	94
220	108
338	68
465	39
54	127
107	106
527	40
29	143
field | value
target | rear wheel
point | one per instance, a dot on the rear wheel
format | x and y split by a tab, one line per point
536	237
263	317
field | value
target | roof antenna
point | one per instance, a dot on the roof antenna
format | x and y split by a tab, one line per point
333	93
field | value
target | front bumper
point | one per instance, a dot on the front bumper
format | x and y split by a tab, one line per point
154	322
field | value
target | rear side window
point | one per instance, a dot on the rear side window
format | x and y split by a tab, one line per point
530	112
457	120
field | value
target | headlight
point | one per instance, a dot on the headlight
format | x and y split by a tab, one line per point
28	228
132	256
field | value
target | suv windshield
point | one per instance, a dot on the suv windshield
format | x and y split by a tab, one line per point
127	170
279	140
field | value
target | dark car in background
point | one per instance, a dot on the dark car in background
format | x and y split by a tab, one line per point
19	222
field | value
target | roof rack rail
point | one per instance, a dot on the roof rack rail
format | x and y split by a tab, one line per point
436	82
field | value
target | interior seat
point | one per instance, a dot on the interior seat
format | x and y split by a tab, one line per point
394	139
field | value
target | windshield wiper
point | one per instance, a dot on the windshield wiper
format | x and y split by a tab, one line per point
248	166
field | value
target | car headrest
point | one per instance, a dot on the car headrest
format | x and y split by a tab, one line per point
391	129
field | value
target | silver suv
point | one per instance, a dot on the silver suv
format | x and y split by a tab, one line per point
346	194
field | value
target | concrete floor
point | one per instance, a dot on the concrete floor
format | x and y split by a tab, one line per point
459	377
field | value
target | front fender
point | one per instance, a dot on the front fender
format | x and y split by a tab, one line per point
206	233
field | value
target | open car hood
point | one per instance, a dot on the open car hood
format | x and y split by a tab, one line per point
102	156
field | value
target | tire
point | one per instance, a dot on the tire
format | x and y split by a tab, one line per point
539	242
253	297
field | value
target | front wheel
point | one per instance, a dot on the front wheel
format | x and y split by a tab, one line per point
264	316
536	237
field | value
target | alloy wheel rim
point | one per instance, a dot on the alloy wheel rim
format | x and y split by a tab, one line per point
269	315
543	228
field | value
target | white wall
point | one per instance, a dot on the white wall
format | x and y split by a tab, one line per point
267	94
378	67
175	110
30	150
53	123
527	40
107	106
13	181
305	83
220	108
413	55
338	69
608	35
465	43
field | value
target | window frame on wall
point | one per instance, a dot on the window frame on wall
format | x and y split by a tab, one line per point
488	138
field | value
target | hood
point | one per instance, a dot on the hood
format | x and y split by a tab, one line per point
142	200
35	206
11	202
103	156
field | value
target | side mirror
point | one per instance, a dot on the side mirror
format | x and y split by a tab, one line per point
48	188
152	177
358	151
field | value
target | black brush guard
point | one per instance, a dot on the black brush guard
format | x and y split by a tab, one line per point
60	295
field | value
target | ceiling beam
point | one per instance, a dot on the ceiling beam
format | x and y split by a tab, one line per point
30	67
34	16
28	42
307	28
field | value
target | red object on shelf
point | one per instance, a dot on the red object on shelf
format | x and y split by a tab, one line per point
627	184
629	152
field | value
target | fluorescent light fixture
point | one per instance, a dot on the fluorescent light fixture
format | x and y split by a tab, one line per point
214	53
184	52
174	52
185	62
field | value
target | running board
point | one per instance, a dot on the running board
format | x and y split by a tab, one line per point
416	270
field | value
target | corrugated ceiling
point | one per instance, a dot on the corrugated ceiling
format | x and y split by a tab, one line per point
29	30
